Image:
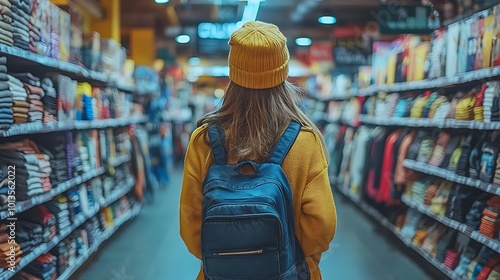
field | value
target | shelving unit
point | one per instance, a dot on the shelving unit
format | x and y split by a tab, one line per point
379	218
451	176
493	244
39	128
428	123
28	204
22	58
78	221
442	82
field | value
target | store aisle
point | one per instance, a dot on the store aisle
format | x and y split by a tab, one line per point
150	248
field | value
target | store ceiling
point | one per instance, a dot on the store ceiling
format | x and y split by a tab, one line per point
287	14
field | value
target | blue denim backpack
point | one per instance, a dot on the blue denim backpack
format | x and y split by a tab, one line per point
248	224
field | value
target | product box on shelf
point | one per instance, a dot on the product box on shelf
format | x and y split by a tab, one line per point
462	46
487	42
91	50
495	52
381	53
112	56
55	31
437	55
452	43
76	34
65	38
66	89
417	66
478	64
473	42
44	18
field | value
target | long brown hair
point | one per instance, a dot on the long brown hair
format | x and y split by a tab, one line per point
255	118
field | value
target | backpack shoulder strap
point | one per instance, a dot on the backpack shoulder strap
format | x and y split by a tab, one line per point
285	143
217	141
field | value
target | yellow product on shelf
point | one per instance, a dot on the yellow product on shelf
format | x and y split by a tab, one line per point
487	45
391	68
108	216
84	88
420	58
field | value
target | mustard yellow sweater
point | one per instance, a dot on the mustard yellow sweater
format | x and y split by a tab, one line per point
306	169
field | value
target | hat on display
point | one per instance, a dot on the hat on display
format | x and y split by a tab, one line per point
259	57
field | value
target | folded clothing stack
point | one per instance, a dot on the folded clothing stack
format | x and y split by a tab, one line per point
61	252
35	92
60	209
468	255
490	223
418	190
32	167
417	110
445	243
480	262
40	215
55	148
6	247
476	212
49	101
438	154
460	202
30	235
491	92
479	105
452	259
438	204
463	162
6	113
20	105
411	222
74	206
6	36
431	241
35	29
430	193
43	268
21	14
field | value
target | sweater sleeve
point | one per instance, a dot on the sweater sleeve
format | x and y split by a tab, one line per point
319	217
191	201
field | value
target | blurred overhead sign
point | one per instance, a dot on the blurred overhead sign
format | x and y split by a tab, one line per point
399	19
211	30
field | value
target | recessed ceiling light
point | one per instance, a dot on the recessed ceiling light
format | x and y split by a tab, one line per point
327	20
303	41
193	61
183	39
162	1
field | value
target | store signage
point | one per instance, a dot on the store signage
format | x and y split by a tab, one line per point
349	56
321	52
210	30
399	19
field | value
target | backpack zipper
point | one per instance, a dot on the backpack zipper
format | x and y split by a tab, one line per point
243	253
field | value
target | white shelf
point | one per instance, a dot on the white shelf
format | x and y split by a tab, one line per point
441	82
432	123
38	128
451	176
29	59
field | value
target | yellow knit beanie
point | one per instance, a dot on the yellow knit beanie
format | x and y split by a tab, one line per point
258	58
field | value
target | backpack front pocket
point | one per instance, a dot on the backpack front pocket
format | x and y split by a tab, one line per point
242	264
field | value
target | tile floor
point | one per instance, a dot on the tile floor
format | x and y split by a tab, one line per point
150	248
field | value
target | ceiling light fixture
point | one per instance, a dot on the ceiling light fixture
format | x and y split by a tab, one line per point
251	10
193	61
327	20
303	41
162	1
183	39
